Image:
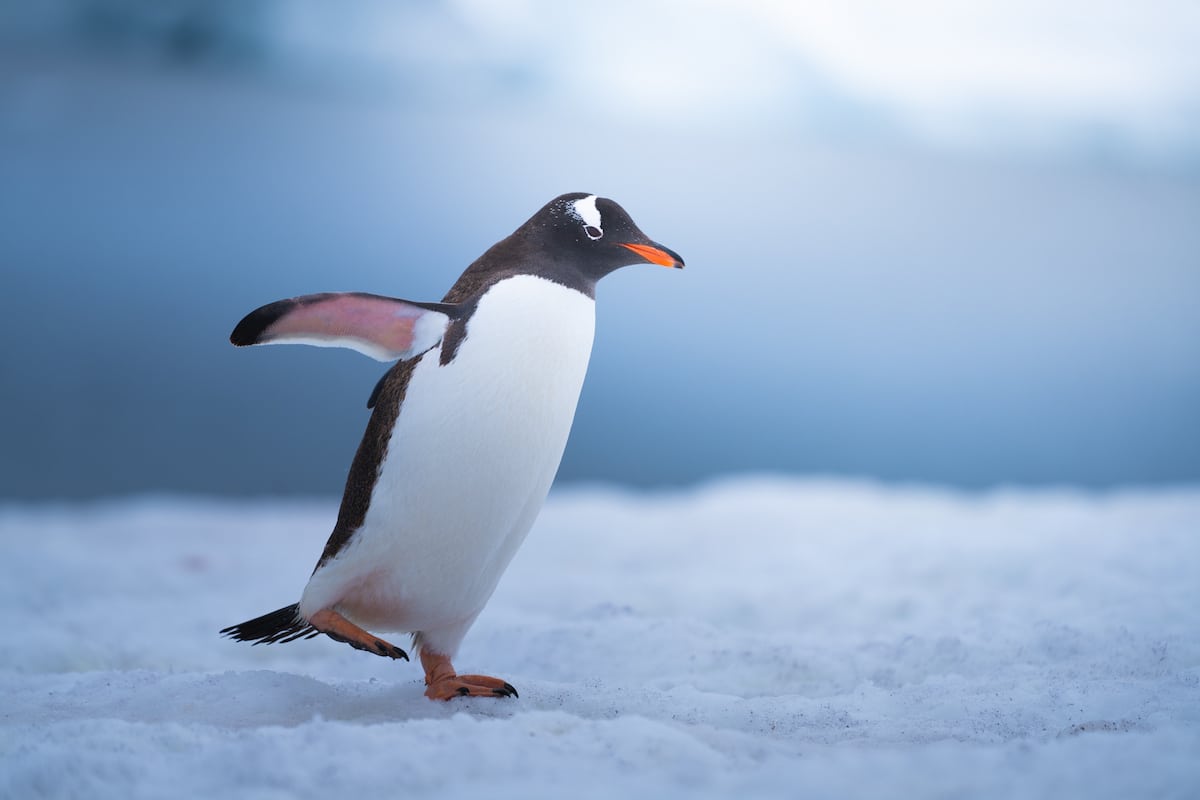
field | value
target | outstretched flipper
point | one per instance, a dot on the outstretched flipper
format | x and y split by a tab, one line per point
383	328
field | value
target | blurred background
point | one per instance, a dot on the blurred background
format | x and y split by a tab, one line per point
933	242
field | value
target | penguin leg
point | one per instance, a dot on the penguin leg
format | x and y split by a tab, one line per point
443	683
340	629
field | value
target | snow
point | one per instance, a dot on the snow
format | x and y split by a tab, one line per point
762	636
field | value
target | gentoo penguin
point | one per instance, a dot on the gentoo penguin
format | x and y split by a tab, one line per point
465	437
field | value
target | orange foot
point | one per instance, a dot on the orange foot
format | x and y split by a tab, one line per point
442	683
340	629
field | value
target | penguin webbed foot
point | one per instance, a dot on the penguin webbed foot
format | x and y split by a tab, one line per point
443	683
340	629
469	686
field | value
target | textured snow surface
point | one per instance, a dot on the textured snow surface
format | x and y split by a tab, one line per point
762	637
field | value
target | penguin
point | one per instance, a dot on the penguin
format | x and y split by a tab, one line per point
465	436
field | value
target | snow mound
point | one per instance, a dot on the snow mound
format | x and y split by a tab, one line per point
776	637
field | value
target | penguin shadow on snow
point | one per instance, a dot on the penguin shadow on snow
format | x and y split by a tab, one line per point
250	699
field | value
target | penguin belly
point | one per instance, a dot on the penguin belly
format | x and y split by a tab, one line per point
469	462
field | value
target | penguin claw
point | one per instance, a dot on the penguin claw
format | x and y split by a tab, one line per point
389	650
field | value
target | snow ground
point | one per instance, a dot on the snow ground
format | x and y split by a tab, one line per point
760	637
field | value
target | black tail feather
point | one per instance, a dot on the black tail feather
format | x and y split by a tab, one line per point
282	625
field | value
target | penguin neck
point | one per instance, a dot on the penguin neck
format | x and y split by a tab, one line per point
512	257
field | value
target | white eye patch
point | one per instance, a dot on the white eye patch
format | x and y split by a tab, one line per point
585	209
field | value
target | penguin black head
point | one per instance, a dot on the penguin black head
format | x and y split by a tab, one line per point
594	235
575	240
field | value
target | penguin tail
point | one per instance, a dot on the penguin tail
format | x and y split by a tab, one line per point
282	625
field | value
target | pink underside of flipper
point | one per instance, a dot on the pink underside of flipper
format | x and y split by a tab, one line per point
381	327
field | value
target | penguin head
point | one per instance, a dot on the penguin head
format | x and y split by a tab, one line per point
595	235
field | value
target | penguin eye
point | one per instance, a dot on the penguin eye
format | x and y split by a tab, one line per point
592	232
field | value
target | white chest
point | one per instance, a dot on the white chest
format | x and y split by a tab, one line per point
481	432
470	460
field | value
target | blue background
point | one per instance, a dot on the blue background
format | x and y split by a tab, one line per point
1008	296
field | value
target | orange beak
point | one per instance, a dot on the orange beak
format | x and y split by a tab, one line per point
656	255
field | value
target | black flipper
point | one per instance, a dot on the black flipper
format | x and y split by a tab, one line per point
282	625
